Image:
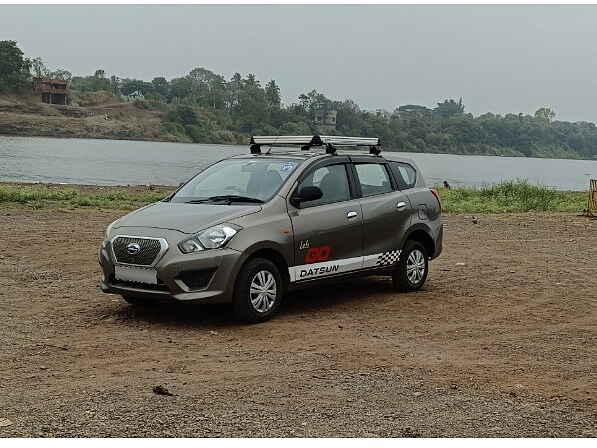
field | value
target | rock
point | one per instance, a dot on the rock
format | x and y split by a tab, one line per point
161	390
5	422
418	394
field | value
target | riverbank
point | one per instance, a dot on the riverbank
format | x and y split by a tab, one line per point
509	197
98	116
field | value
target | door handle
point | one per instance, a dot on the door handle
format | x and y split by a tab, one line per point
351	215
401	205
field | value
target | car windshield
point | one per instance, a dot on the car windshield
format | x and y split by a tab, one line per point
237	180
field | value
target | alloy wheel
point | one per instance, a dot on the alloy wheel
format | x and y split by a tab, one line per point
263	291
415	266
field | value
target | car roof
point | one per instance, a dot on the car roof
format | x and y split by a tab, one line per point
305	155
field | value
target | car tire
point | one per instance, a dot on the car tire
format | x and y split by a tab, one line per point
259	291
412	268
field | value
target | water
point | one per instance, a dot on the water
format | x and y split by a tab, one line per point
123	162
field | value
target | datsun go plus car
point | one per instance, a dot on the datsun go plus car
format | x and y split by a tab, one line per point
249	228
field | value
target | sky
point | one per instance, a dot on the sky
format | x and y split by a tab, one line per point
500	59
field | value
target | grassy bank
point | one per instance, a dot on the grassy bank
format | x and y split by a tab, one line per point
511	197
508	197
42	196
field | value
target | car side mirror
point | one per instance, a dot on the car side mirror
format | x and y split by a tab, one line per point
307	194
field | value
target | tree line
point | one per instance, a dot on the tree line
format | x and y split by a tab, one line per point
205	107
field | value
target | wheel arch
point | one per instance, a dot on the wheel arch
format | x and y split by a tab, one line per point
422	234
270	251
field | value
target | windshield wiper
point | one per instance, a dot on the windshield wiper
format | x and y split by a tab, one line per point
234	198
225	198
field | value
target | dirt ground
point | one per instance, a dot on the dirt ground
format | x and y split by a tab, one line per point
501	342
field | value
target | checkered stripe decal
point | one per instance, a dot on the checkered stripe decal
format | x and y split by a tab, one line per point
388	258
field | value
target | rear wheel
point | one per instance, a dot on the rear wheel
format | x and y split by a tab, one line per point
411	271
259	291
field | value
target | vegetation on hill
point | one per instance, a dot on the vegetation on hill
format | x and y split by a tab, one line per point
205	107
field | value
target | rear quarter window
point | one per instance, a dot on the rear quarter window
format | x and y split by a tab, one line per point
405	174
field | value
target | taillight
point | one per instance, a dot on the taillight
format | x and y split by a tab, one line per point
436	194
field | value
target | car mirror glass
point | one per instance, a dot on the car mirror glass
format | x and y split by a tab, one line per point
308	194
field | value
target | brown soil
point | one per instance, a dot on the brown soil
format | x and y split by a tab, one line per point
504	345
26	115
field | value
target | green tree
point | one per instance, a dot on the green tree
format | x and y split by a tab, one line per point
128	86
62	74
39	69
234	88
272	94
545	114
161	86
180	88
184	115
449	108
14	68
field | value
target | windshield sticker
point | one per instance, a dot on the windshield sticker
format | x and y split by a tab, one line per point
288	166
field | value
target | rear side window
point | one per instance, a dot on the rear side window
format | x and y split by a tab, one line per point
332	181
374	179
405	174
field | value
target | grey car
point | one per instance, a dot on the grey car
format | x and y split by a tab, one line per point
250	228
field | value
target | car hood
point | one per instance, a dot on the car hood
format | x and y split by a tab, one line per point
186	218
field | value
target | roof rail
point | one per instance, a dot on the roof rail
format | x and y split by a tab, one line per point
331	142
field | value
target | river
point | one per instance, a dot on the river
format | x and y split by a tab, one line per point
124	162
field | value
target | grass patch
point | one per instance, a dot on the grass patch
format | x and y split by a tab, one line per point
41	196
511	197
507	197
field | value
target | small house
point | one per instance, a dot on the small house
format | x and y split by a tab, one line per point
53	91
136	95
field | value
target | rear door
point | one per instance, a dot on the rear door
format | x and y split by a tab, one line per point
327	232
386	211
423	202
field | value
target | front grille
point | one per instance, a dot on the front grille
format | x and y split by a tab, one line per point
150	248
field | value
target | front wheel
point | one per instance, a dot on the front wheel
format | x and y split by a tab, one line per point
259	291
411	270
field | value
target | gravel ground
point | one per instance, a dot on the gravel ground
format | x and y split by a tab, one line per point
504	345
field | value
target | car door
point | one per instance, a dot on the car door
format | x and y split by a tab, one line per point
386	211
327	231
424	204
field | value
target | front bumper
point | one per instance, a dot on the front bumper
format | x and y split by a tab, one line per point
204	277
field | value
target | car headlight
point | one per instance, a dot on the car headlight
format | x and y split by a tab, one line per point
212	238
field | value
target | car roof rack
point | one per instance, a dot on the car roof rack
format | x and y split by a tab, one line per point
306	142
